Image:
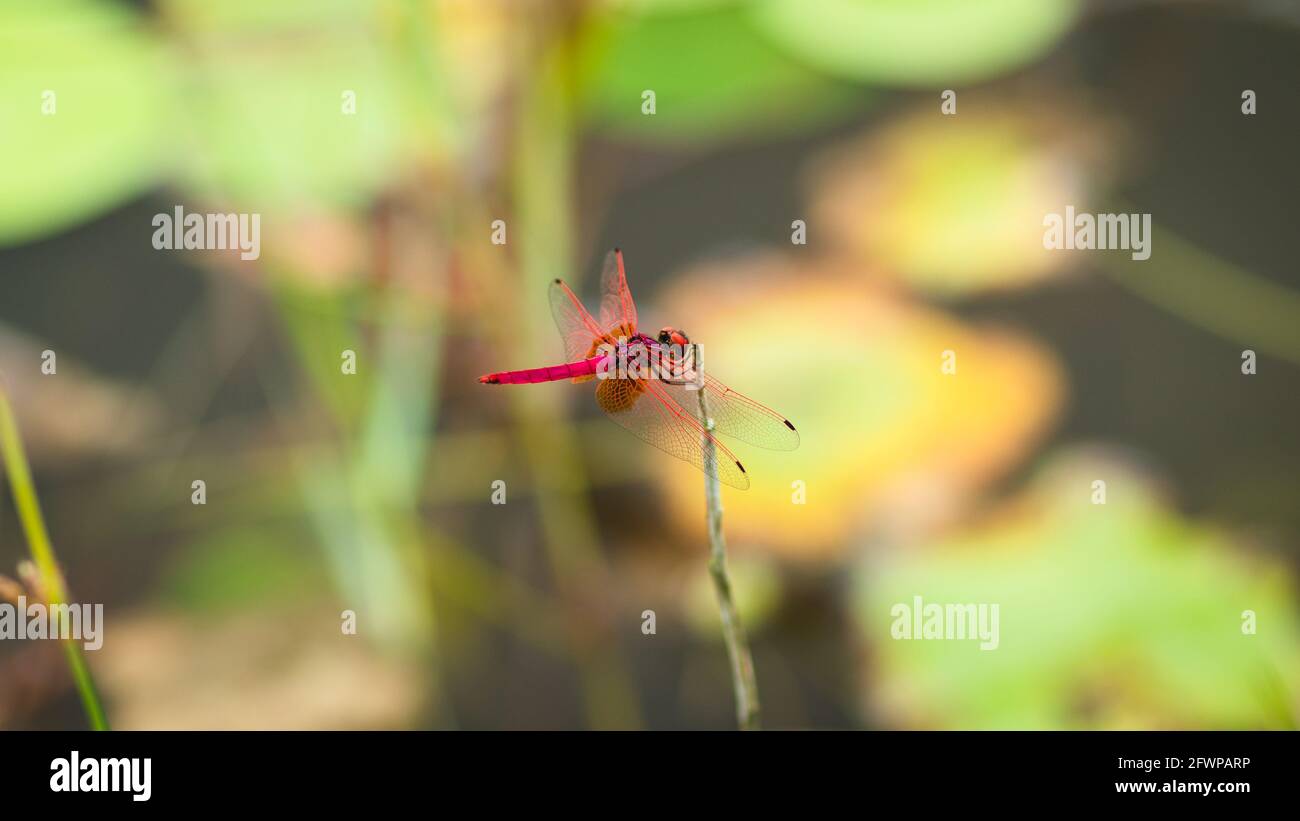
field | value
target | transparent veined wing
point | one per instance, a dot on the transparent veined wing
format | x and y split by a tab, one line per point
736	415
616	305
577	327
644	408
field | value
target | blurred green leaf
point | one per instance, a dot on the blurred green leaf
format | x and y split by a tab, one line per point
714	76
102	140
240	567
266	102
1114	616
907	440
322	325
916	42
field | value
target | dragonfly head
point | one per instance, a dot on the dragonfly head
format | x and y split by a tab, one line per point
672	336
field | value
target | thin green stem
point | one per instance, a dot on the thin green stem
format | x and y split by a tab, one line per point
1214	294
47	565
543	192
743	681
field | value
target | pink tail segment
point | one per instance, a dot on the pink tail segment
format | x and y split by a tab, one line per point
553	373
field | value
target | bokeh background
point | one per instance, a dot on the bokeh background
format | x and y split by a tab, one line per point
372	492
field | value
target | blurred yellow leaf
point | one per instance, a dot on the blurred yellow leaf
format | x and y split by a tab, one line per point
956	204
888	440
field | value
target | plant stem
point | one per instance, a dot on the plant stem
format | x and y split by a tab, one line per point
1212	293
38	541
543	188
743	681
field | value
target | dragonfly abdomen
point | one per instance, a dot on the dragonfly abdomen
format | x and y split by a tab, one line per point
550	373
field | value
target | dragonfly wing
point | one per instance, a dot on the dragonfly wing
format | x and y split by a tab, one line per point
736	415
577	327
642	407
616	305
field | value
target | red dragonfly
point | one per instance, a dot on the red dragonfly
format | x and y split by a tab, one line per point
660	404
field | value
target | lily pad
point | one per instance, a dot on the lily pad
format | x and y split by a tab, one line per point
714	75
953	205
1121	615
889	442
917	42
290	105
83	90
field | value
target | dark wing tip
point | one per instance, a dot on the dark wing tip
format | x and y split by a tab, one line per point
742	467
787	424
